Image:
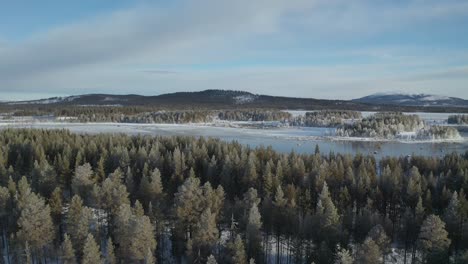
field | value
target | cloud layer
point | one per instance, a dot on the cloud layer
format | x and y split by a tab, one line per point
328	49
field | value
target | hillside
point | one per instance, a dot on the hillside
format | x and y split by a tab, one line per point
426	100
228	99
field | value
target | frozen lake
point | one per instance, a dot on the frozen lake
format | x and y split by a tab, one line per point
301	140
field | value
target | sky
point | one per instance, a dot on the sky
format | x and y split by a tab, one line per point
331	49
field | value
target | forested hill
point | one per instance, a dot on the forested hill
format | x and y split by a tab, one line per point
218	99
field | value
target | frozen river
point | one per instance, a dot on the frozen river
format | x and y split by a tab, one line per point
301	140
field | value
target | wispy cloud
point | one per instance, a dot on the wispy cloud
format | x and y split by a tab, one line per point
310	47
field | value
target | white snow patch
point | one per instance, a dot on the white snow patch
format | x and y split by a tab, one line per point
243	99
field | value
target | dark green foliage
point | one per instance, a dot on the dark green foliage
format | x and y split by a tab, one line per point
190	191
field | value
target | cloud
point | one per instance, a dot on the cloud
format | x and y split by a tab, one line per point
151	49
449	74
141	33
338	17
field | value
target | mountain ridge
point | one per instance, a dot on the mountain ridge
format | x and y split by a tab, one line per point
406	99
219	99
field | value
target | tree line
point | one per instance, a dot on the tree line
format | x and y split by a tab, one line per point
71	198
458	119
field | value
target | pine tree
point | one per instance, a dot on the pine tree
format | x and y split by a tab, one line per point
134	234
378	235
114	193
27	253
91	253
138	209
413	190
237	251
141	237
67	251
55	203
78	221
254	224
110	253
452	217
279	198
35	222
326	209
433	235
211	260
82	181
343	256
189	203
149	258
250	172
368	252
151	187
206	233
433	239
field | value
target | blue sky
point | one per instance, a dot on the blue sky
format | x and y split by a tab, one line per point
306	48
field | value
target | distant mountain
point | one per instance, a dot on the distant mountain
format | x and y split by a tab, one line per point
426	100
202	99
228	99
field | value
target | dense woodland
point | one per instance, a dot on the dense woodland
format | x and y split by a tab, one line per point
458	119
383	125
325	118
387	125
71	198
438	132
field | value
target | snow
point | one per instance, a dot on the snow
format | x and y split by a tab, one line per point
111	99
243	99
297	113
52	100
434	98
216	129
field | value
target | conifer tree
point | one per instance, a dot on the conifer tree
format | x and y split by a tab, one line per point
254	223
110	253
189	203
35	222
91	252
82	181
433	239
211	260
326	209
237	251
149	258
78	221
368	252
343	256
206	233
452	217
67	252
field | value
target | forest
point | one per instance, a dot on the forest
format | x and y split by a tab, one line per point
458	119
325	118
78	198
